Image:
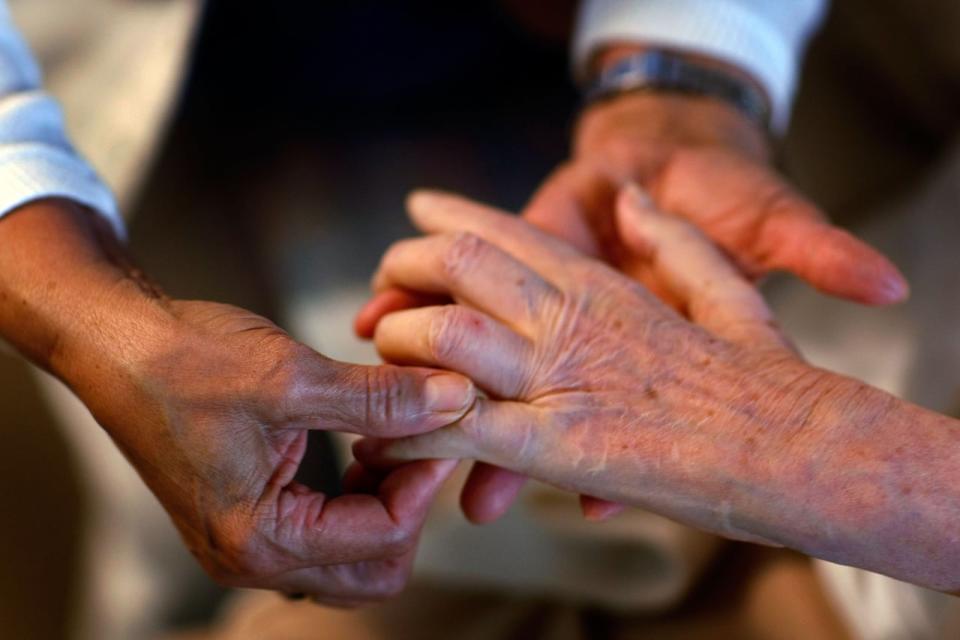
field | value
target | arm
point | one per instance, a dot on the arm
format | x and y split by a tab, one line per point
602	389
210	403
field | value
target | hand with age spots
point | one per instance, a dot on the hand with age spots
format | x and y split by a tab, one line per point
596	386
533	357
701	160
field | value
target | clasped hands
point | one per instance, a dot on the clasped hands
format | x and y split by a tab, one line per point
590	382
687	402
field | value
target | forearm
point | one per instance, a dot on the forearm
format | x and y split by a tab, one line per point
823	464
66	289
872	484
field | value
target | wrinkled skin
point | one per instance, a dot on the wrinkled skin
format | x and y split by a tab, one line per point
562	343
212	405
701	160
233	425
596	386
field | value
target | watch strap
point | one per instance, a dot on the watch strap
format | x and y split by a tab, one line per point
664	71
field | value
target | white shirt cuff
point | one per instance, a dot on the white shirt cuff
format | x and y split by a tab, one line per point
32	171
765	38
37	160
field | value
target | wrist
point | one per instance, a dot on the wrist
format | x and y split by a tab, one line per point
69	299
671	121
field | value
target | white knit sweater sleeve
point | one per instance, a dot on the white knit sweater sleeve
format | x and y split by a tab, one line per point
36	157
765	38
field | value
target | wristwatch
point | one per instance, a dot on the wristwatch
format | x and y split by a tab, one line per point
659	70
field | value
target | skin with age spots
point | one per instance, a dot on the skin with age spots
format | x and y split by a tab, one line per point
596	386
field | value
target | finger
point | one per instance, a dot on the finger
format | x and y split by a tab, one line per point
489	492
348	585
365	322
355	527
766	225
470	270
385	400
360	479
437	212
567	204
830	259
598	510
458	339
506	434
714	293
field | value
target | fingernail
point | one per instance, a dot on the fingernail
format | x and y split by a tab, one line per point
445	392
895	289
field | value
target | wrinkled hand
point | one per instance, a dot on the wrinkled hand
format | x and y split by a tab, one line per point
594	384
214	411
703	161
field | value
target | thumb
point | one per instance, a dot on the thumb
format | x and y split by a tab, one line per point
830	259
386	400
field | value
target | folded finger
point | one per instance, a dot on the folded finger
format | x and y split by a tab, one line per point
458	339
389	301
489	492
355	527
471	271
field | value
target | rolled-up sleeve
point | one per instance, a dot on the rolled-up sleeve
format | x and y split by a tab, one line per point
37	159
765	38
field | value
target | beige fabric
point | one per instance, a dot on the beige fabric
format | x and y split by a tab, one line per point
116	67
767	595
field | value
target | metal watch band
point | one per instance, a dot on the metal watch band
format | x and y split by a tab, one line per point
662	70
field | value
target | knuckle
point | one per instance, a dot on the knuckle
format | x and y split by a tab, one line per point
462	254
282	382
391	397
446	332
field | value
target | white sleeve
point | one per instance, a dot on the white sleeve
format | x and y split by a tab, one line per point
36	157
765	38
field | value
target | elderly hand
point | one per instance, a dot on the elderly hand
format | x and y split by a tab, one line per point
699	159
212	405
594	385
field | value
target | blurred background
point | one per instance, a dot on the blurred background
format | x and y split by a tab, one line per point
262	156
